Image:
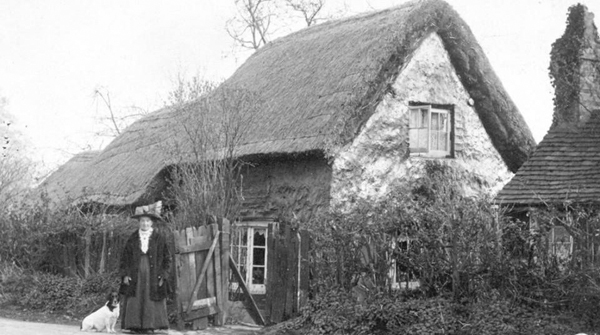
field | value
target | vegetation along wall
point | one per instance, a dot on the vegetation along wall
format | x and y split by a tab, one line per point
379	158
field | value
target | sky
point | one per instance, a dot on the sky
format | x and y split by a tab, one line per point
55	54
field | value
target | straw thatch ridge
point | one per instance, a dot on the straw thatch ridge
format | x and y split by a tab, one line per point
316	88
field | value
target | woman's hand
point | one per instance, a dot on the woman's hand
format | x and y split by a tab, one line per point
160	281
126	280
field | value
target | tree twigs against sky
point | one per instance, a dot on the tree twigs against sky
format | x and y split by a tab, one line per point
257	22
116	118
16	170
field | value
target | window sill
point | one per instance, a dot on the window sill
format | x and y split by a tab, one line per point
430	155
412	285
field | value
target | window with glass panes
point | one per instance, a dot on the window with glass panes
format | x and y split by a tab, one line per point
561	242
429	131
249	251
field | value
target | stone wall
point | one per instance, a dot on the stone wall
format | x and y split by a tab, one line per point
378	159
286	187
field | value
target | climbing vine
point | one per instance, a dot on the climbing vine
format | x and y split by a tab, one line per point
564	66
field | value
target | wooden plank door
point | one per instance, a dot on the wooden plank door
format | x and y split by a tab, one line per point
288	283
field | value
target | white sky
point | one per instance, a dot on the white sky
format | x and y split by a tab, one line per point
54	54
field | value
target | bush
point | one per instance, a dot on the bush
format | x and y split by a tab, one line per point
337	313
480	272
453	238
51	292
76	242
100	283
56	293
14	283
334	312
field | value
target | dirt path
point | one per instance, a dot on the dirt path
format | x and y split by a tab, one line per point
15	327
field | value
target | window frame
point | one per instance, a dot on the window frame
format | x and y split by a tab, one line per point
555	246
249	227
411	281
438	108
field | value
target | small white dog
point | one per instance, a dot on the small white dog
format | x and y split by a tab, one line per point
104	318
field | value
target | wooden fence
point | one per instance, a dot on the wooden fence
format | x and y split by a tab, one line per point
202	272
288	269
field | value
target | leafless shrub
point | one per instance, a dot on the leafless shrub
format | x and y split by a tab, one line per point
206	175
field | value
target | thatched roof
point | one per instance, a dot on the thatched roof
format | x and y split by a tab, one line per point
68	177
317	86
565	168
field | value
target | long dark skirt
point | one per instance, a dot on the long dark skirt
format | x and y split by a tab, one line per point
141	312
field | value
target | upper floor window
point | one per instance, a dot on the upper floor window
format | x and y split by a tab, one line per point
430	129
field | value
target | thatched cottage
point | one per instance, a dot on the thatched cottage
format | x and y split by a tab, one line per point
349	108
563	170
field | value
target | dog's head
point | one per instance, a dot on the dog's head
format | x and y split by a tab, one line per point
112	300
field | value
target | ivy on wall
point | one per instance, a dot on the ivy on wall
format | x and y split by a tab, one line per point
565	63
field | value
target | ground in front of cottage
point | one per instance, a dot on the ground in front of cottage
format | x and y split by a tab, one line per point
17	327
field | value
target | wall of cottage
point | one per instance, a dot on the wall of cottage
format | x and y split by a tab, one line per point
286	188
378	159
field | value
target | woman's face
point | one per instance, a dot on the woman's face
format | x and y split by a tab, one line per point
145	223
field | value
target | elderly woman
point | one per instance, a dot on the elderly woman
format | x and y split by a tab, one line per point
144	271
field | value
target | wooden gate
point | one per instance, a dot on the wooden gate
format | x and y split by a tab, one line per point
202	271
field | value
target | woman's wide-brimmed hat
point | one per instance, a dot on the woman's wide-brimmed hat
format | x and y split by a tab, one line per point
152	211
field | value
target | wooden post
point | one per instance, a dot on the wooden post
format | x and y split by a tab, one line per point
180	275
271	271
281	276
291	270
191	276
225	228
217	281
213	231
305	240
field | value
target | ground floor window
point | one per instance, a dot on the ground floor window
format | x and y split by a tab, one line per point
560	242
400	275
249	251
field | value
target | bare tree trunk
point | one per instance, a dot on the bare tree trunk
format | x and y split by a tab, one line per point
86	261
102	265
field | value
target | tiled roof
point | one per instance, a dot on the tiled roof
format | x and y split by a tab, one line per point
565	167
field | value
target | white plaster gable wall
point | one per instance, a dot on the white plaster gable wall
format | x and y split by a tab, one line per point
378	157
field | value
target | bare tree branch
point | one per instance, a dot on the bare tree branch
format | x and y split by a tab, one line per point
189	90
258	21
250	27
117	119
106	98
308	8
16	170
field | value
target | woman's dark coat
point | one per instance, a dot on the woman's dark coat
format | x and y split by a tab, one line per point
159	259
